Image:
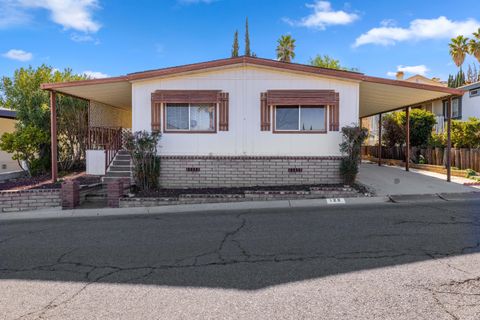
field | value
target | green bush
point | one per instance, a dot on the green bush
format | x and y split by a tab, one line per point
437	140
142	146
393	133
466	134
25	145
353	137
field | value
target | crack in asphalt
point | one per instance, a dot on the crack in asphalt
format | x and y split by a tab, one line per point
244	257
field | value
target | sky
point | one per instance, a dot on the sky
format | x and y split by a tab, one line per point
111	37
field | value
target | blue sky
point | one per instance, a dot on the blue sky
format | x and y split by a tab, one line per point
108	37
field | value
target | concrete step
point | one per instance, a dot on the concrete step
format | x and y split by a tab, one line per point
118	174
120	168
121	162
123	157
123	152
107	179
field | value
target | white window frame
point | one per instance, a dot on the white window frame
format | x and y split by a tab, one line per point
474	93
299	130
189	130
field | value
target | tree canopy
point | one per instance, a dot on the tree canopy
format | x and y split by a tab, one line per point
22	93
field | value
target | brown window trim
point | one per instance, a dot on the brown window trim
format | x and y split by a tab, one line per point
274	123
165	130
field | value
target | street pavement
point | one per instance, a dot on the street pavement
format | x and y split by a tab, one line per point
414	260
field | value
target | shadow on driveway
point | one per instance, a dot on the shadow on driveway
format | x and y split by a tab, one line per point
244	250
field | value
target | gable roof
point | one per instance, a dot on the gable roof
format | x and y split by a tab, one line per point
376	94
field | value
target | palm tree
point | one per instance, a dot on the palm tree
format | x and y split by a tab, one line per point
458	49
474	45
285	48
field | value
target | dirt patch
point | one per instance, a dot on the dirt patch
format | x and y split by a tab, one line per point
44	182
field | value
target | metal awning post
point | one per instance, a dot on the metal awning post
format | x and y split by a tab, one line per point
407	139
449	139
379	139
53	134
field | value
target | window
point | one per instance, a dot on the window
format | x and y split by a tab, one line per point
190	117
300	118
474	93
456	108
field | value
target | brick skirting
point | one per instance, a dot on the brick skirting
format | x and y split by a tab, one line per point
24	200
238	171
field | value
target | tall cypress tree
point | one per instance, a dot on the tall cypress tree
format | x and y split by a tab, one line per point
247	40
235	45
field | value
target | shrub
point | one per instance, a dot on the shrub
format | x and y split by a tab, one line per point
353	137
393	133
437	140
142	147
394	127
466	134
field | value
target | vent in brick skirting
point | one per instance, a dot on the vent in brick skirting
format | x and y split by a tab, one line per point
295	170
192	169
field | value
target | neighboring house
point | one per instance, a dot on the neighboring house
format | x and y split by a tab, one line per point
424	80
240	121
7	124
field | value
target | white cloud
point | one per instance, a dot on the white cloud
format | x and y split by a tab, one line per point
71	14
11	14
419	29
420	69
323	15
95	74
19	55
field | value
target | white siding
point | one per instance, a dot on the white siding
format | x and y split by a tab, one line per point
244	137
470	106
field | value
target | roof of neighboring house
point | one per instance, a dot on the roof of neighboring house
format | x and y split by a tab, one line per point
376	94
470	86
418	78
8	114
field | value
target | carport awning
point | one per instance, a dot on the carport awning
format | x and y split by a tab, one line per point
115	91
378	95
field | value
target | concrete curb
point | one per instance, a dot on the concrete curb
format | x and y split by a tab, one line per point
187	208
233	206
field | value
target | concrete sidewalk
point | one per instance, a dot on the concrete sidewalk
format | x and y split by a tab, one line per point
390	180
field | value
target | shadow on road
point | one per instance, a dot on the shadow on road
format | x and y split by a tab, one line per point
242	250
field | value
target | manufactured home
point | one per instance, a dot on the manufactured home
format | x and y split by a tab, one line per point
242	121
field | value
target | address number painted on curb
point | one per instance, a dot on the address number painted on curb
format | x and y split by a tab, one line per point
336	201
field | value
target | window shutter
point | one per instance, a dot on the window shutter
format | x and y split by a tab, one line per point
223	111
156	107
264	113
333	114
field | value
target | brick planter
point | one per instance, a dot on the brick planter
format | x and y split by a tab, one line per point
313	193
24	200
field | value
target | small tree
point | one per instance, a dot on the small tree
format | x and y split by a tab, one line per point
247	39
142	146
286	48
235	45
421	125
353	137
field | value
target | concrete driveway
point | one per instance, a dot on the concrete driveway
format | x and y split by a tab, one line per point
384	261
389	180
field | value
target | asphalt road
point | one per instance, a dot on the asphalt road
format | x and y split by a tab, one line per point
383	261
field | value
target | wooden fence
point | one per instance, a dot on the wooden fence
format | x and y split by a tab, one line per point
462	158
